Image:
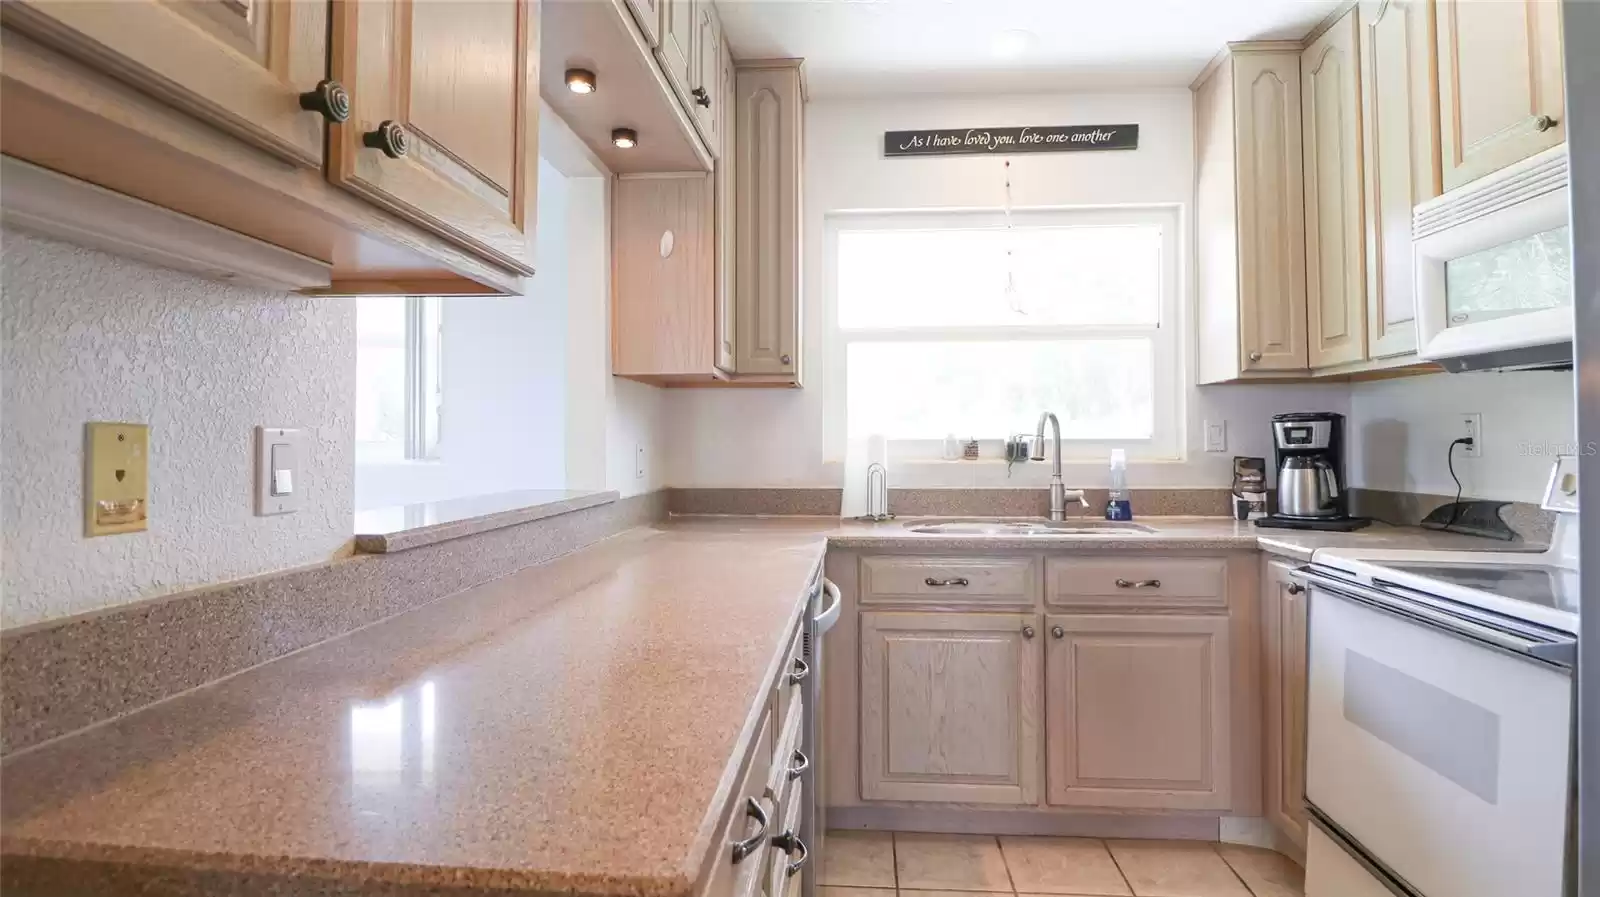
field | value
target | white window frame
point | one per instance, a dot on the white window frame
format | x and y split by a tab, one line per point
423	385
1167	442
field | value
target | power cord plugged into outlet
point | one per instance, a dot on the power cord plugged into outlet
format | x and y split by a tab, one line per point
1450	462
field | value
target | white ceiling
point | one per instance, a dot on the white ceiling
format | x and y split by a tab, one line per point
861	47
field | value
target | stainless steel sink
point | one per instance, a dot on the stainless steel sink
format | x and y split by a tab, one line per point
1015	527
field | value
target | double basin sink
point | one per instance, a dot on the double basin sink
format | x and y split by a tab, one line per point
999	526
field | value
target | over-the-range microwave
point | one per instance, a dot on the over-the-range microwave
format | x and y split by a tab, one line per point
1493	262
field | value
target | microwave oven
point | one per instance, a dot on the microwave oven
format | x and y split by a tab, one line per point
1493	268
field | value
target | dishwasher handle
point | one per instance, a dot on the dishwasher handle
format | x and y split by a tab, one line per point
824	620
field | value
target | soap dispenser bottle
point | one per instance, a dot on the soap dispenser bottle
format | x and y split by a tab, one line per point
1118	505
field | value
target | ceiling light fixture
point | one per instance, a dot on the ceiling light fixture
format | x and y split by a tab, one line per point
625	138
581	81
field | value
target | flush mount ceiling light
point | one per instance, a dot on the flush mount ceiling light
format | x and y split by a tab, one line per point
581	81
1013	43
625	138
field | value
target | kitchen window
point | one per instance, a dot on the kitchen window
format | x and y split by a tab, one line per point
972	323
397	379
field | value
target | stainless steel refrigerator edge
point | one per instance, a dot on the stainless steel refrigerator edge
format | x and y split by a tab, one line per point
1581	38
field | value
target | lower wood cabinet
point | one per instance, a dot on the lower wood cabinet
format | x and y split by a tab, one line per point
1139	711
1283	630
950	707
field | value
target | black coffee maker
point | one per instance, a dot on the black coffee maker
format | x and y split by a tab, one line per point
1309	448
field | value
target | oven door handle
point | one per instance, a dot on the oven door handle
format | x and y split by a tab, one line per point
1552	649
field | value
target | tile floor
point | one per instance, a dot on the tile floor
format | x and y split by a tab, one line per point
879	864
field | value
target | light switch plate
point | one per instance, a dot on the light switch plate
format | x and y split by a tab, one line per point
1216	435
290	451
116	478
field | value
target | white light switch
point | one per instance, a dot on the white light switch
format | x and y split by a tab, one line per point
280	486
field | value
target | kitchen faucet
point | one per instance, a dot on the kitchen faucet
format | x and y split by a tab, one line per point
1058	488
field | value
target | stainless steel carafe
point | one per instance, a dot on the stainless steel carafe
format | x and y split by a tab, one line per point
1308	487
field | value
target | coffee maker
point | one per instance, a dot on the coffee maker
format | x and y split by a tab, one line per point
1309	449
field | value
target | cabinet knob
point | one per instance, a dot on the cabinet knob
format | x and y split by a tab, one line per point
329	98
1255	357
1058	632
1295	588
390	137
1544	123
1027	632
785	359
701	97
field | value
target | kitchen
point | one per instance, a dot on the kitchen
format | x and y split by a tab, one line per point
426	678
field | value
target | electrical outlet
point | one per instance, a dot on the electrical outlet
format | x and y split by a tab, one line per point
638	460
1216	435
1472	426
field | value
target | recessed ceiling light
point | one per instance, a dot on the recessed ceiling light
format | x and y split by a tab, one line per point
580	81
625	138
1012	43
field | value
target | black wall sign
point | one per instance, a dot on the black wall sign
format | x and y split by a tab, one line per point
1003	141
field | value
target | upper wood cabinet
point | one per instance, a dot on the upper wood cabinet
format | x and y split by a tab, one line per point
769	115
707	96
1400	157
443	120
240	65
1283	633
1330	95
727	246
1501	93
1249	211
648	14
680	26
663	245
1139	711
950	707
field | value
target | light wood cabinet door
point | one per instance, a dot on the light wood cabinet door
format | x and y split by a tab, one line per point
680	24
238	64
706	91
1501	95
458	84
1270	208
727	210
768	119
1138	711
1400	156
647	13
1336	289
950	707
663	276
1283	630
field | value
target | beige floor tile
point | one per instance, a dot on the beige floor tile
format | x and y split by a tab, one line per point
843	891
1266	872
858	860
1078	866
1176	869
950	863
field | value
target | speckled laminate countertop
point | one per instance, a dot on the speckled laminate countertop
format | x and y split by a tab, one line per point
569	728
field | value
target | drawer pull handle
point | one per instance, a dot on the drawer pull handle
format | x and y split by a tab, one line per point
328	98
789	842
801	764
1139	584
742	849
801	671
940	583
390	137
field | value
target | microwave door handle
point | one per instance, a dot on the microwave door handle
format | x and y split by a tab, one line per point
1558	652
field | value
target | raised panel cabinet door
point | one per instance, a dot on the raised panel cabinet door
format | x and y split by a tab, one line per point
1283	632
950	707
1400	155
680	20
648	14
768	120
1271	218
1138	711
706	91
727	318
1501	96
445	118
238	64
1336	288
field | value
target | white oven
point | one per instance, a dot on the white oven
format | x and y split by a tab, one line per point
1439	745
1493	263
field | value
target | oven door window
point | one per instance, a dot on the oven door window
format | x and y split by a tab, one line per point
1530	274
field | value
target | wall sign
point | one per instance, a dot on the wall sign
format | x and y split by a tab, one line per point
1003	141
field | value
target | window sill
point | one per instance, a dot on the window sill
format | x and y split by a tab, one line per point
400	527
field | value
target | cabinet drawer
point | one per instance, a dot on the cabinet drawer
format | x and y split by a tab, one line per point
945	580
787	848
783	751
792	680
1137	581
728	876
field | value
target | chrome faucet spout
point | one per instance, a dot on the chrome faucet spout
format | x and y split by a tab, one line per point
1058	489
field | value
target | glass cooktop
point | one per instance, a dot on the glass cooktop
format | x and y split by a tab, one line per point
1546	586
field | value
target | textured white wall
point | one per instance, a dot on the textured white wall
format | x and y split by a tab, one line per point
1401	429
89	336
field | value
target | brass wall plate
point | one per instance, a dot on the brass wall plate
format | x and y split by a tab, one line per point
116	478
